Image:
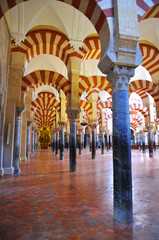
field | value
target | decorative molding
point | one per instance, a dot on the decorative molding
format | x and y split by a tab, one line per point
62	125
119	77
19	111
73	114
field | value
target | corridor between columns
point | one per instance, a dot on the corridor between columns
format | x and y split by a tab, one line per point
49	202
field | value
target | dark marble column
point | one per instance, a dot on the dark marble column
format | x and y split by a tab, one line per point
35	134
16	146
154	142
119	78
72	115
53	142
150	140
103	140
94	126
57	143
80	140
96	141
68	141
143	142
1	141
28	140
90	141
62	139
32	141
108	141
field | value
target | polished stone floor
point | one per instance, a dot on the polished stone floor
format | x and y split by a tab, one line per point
49	202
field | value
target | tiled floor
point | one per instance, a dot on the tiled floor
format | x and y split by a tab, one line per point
49	202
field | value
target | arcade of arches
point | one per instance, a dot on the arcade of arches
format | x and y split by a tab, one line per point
79	73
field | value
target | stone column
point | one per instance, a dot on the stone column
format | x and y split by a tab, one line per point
28	140
62	139
150	140
83	140
154	140
103	140
16	147
108	141
143	142
97	141
1	141
72	115
57	142
53	142
32	141
94	126
119	78
35	140
90	140
80	130
68	141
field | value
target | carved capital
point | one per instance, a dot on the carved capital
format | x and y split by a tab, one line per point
150	128
33	128
119	77
29	123
19	111
62	125
72	114
94	126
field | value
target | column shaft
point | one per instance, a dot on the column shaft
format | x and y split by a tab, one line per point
16	146
57	143
93	142
62	146
73	145
122	157
102	147
80	143
150	141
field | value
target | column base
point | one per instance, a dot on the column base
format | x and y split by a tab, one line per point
1	171
17	171
151	155
123	216
23	159
8	171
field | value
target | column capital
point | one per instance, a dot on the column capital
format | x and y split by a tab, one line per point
72	114
150	128
19	111
94	126
62	124
80	129
103	129
119	77
33	128
29	123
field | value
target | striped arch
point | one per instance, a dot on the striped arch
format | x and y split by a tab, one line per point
137	118
153	12
134	124
45	77
86	106
140	108
91	49
45	100
150	58
88	83
44	117
89	8
85	119
143	7
142	85
44	42
102	105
